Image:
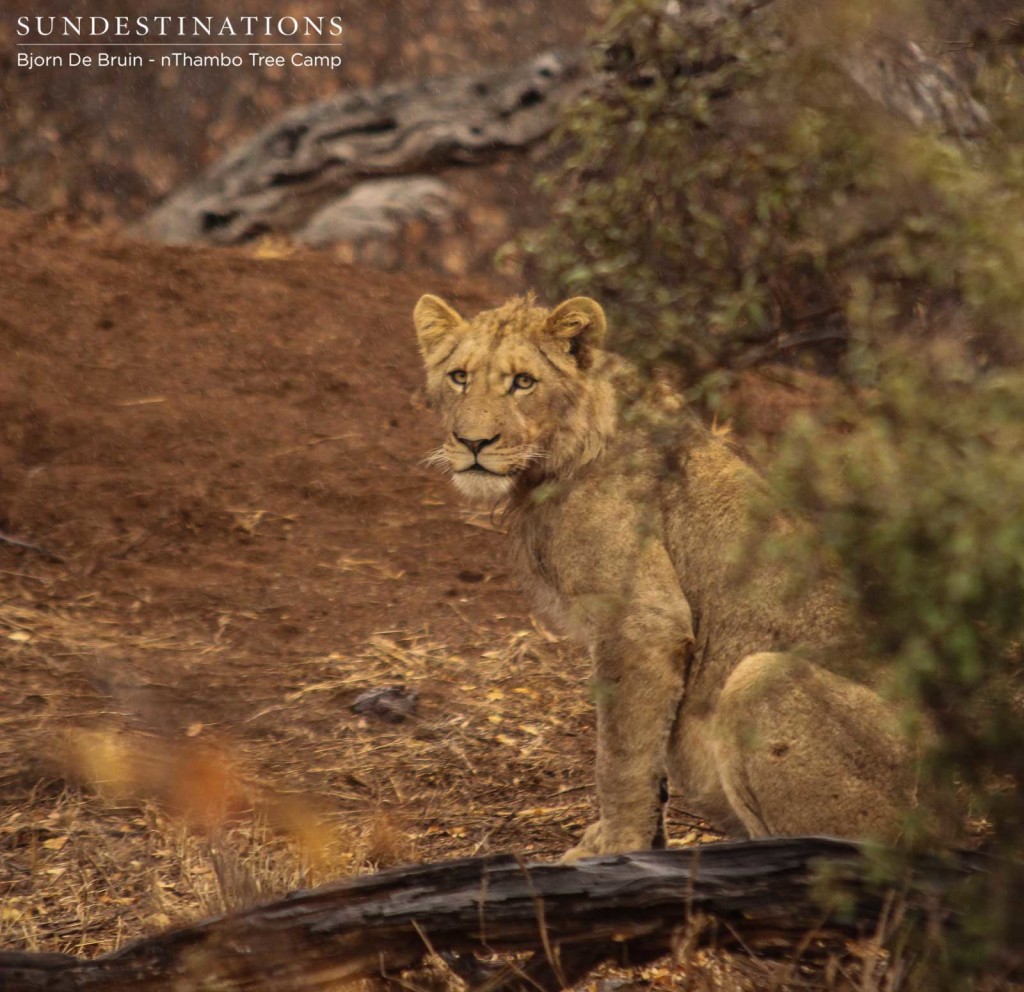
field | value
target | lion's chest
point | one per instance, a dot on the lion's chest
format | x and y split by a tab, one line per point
575	549
535	554
532	539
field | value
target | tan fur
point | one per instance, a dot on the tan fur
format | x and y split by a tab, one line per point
716	684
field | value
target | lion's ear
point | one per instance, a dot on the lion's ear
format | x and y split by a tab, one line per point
434	321
580	322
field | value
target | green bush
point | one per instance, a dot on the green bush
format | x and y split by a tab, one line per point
731	193
734	195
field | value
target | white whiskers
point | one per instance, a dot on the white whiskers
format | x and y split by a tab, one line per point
532	454
438	458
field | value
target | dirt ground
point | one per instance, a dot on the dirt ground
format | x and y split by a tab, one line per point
218	455
224	452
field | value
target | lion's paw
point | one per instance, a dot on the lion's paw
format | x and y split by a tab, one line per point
597	839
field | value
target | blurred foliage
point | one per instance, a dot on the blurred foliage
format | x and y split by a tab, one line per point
914	487
732	190
737	191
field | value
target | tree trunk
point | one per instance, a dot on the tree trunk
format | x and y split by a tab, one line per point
757	897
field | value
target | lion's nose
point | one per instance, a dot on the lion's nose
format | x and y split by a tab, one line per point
476	445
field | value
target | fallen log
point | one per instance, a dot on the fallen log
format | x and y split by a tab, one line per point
281	179
757	897
365	161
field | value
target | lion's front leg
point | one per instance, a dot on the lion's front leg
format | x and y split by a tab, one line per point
638	684
596	840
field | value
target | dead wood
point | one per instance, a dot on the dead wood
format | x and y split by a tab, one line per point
762	897
362	163
280	179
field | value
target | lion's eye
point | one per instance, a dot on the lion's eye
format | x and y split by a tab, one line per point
523	380
459	377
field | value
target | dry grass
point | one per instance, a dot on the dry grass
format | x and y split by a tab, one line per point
120	816
117	821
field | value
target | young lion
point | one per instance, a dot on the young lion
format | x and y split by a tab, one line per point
696	674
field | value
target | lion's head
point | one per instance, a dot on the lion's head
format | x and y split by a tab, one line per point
521	390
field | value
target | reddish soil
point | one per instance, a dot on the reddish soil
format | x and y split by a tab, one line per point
196	430
222	453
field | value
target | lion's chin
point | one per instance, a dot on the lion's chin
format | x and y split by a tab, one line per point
482	487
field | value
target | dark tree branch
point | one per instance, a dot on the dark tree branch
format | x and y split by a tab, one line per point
760	897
